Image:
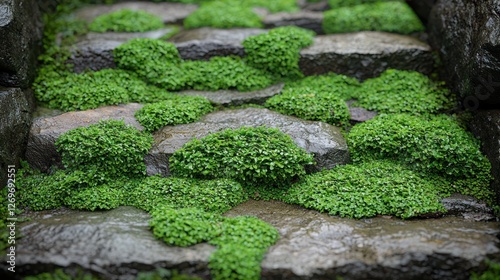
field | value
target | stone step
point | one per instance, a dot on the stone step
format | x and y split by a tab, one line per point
117	244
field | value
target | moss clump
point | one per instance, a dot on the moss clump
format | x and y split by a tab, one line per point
185	109
248	155
395	17
347	3
435	145
126	21
59	274
221	15
341	86
101	197
277	51
491	273
397	91
366	190
309	104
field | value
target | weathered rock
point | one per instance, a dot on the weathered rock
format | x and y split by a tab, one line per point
171	13
323	140
117	244
21	33
422	8
204	43
236	98
486	126
467	207
16	107
41	152
359	114
319	6
467	35
365	54
305	19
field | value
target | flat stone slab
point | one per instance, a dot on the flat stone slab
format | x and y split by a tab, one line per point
305	19
365	54
236	98
321	139
117	244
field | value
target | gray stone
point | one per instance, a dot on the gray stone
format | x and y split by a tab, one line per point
16	107
305	19
359	114
365	54
21	33
41	152
319	6
323	140
171	13
467	36
236	98
204	43
467	207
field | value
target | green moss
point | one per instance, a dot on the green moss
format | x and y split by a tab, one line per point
59	274
221	15
235	262
248	155
310	104
435	145
101	197
277	51
491	273
185	109
341	86
111	148
126	21
395	17
366	190
397	91
346	3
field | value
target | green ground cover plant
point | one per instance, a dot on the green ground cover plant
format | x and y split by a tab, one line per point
432	145
248	155
346	3
341	86
399	91
126	20
223	15
392	16
185	109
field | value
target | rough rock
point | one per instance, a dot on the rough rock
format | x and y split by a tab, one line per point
486	126
206	42
422	8
467	207
467	35
171	13
117	244
305	19
94	51
323	140
319	6
21	33
359	114
236	98
41	152
365	54
16	107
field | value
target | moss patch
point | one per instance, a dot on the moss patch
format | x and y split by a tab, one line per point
341	86
347	3
126	21
222	15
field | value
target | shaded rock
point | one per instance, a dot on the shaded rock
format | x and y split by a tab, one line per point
323	140
486	126
422	8
21	32
365	54
305	19
41	152
236	98
170	13
319	6
206	42
467	207
467	35
359	114
16	107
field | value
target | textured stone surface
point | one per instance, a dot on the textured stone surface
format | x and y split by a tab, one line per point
467	35
305	19
20	43
468	207
359	114
365	54
117	244
321	5
16	107
236	98
41	152
205	42
323	140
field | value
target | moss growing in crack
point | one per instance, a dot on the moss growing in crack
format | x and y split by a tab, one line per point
248	155
181	110
221	15
392	16
126	21
341	86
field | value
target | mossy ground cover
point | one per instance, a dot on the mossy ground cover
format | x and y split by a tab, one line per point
126	20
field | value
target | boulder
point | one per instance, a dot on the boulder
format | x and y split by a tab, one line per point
365	54
21	32
16	107
323	140
467	36
467	207
41	152
305	19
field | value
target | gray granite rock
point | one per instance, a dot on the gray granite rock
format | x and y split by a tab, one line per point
323	140
305	19
365	54
467	207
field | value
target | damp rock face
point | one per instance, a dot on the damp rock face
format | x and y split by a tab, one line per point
323	140
305	19
365	54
